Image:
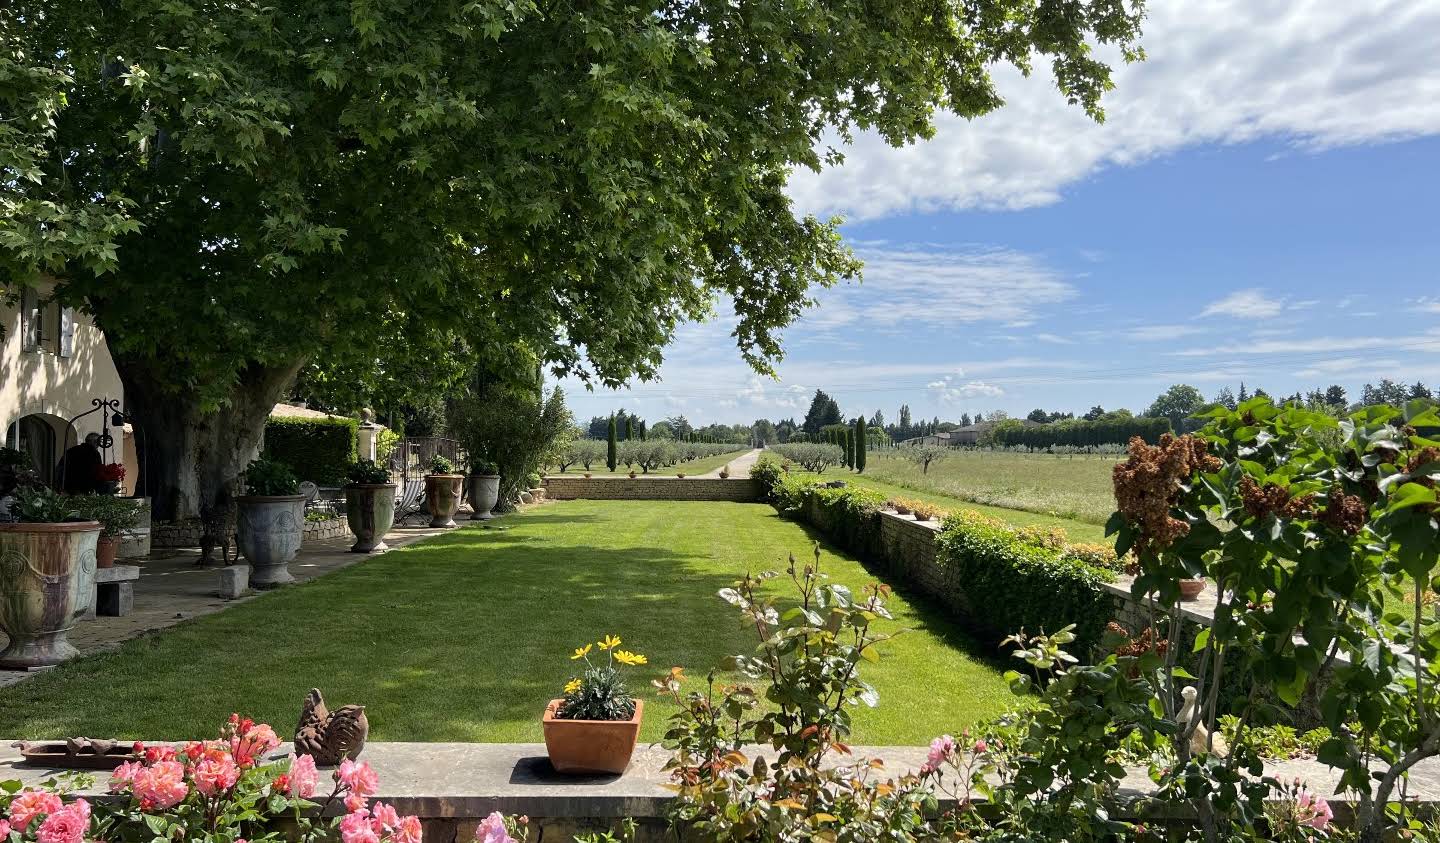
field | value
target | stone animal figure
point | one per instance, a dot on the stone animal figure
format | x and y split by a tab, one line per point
330	736
217	528
1200	738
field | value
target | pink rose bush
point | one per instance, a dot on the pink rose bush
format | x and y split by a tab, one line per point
498	828
216	790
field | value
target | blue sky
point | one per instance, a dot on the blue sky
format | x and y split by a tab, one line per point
1260	205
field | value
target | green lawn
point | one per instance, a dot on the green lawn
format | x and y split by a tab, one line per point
691	468
465	636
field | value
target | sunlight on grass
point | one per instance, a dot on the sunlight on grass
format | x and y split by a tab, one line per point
464	637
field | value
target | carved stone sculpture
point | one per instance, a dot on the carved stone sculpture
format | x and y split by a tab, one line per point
330	736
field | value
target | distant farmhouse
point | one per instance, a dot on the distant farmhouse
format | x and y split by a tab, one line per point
968	435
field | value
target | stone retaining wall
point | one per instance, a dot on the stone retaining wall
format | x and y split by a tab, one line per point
652	488
187	533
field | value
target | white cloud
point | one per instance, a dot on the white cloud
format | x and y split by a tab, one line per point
1161	333
947	390
1313	73
1246	304
1054	339
923	285
1428	304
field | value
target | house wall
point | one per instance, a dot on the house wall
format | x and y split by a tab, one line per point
58	388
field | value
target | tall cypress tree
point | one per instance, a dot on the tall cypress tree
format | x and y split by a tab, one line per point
847	445
860	444
642	431
611	457
629	428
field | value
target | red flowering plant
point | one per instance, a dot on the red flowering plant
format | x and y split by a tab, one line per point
223	790
112	472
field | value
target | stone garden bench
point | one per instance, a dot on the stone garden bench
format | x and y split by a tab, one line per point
114	591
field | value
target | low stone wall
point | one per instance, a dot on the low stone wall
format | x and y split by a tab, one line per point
652	488
187	533
452	786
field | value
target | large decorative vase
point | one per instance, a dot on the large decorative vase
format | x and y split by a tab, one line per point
47	580
484	493
370	511
442	496
105	550
584	747
268	531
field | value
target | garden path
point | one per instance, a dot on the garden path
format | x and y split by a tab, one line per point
740	466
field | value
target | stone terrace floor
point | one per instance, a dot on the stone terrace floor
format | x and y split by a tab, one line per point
171	589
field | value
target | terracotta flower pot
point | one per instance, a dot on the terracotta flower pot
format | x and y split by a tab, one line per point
443	493
370	512
1190	589
105	549
268	531
484	494
47	580
590	746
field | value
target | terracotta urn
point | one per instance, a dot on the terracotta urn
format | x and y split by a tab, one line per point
484	494
581	747
370	513
268	531
106	547
443	493
1190	589
47	582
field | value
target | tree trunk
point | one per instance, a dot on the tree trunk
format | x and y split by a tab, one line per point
190	457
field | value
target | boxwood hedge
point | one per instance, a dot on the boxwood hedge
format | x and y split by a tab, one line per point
316	449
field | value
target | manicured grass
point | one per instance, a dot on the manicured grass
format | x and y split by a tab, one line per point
464	637
1075	488
691	468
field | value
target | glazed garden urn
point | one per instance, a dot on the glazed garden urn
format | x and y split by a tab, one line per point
587	747
484	494
47	582
268	530
443	493
370	512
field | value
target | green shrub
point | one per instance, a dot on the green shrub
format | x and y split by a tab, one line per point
367	472
769	474
1007	579
441	464
270	478
612	458
319	450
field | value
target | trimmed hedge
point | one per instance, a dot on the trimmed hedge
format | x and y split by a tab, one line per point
998	578
320	450
1009	578
1081	433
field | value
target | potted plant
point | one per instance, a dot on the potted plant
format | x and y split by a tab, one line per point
594	727
587	475
369	505
443	490
110	476
1190	588
484	489
47	577
632	474
270	522
117	517
680	474
725	472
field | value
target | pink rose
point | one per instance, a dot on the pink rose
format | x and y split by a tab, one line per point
1314	811
31	804
161	785
253	745
304	778
355	802
4	829
359	778
355	827
408	831
123	776
216	773
940	749
384	817
981	746
492	830
67	825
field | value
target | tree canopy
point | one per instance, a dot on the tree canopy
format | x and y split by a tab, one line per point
235	190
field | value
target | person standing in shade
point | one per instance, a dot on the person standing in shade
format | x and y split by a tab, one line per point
81	467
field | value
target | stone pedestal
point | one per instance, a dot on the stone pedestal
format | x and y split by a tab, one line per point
114	591
234	581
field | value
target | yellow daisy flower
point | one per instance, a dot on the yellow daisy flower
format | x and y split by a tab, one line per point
627	657
572	686
581	652
610	642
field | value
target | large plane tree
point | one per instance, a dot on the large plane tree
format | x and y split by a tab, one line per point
237	189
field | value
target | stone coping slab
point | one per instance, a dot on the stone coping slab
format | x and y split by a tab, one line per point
469	780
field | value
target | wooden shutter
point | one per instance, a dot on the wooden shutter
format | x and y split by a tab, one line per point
67	332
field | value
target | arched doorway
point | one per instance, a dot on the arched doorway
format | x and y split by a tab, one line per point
44	438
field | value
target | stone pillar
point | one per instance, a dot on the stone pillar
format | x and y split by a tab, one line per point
368	434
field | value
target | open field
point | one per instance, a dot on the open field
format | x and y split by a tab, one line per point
464	637
692	467
1075	488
